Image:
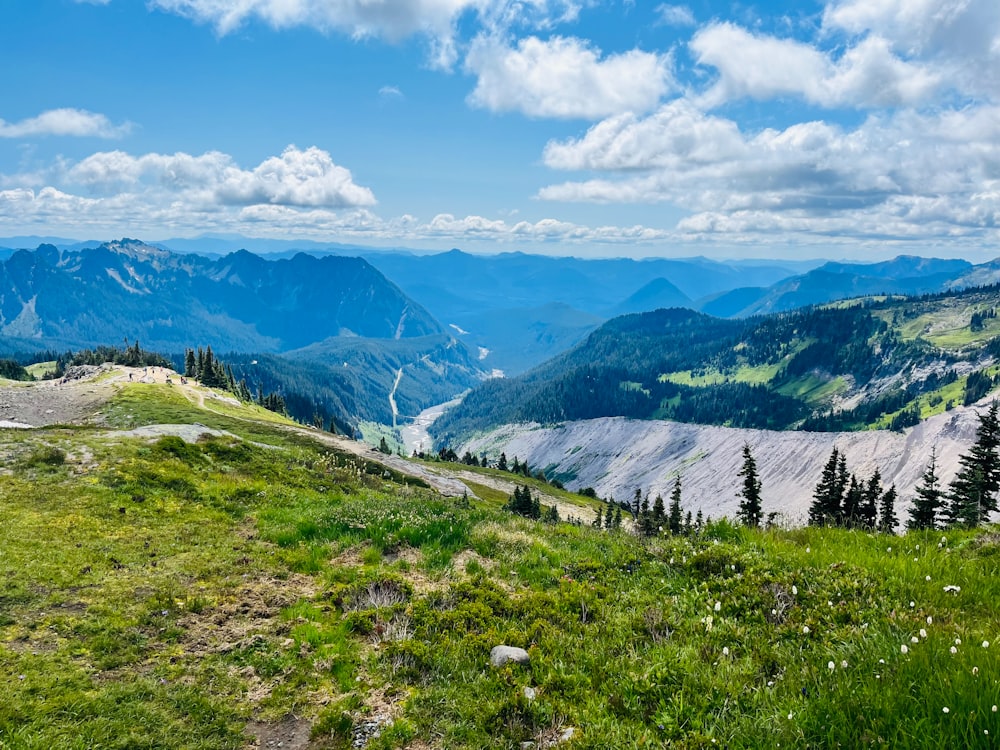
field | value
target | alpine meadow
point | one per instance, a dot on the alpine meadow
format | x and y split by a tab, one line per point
465	374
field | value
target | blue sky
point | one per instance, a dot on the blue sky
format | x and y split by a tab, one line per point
852	128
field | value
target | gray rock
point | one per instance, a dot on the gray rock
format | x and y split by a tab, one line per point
529	693
500	655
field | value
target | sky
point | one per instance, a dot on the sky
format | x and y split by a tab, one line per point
596	128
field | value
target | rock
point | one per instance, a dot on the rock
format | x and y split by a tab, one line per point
529	693
567	734
500	655
529	745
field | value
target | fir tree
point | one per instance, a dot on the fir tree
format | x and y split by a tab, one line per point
618	517
972	495
887	511
749	513
502	462
927	504
688	524
699	522
853	500
598	521
190	365
675	514
659	514
646	518
869	501
841	486
637	503
609	513
825	508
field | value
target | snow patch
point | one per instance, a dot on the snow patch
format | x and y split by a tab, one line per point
460	331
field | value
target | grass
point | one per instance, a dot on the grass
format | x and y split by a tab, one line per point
164	594
40	369
813	389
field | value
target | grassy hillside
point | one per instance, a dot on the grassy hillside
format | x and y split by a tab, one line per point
867	363
258	585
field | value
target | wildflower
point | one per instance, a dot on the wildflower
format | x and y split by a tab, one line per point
994	709
975	671
927	578
881	661
807	549
843	663
770	683
946	709
923	633
903	649
952	589
795	590
953	650
805	630
986	644
888	549
790	715
914	639
725	650
774	611
930	620
912	605
831	666
718	606
918	546
829	603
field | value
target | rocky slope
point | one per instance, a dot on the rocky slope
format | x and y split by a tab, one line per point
617	455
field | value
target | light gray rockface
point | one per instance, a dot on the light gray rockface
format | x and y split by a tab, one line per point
617	455
500	655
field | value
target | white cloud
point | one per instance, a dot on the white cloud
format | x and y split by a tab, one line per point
675	15
908	174
765	67
960	37
296	178
564	77
390	92
65	122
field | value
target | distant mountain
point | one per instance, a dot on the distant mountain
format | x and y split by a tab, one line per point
478	293
658	293
881	362
832	281
167	300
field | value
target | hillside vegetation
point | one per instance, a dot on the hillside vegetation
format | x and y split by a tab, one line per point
199	574
882	362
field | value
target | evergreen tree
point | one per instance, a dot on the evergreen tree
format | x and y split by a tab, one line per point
927	504
502	462
972	495
190	365
637	503
842	485
699	521
598	521
749	513
383	446
516	468
618	517
869	501
887	512
675	514
688	525
853	499
551	514
825	508
646	518
609	513
201	363
659	514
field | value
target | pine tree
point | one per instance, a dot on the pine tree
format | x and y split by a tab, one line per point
502	462
618	517
927	504
190	365
516	468
887	512
972	495
598	521
825	508
637	503
699	521
840	489
851	511
675	514
609	512
749	513
646	518
688	524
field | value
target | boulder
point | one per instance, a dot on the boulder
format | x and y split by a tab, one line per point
500	655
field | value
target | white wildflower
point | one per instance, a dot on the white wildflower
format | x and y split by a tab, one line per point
903	649
946	709
986	644
725	650
952	589
912	605
923	633
831	666
843	663
805	629
795	590
930	620
927	578
718	606
914	639
953	650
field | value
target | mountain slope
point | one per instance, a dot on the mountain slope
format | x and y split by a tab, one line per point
880	362
240	301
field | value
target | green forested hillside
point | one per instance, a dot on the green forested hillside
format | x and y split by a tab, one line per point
874	362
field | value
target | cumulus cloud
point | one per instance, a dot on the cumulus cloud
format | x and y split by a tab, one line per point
65	122
296	178
765	67
905	174
564	77
960	37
